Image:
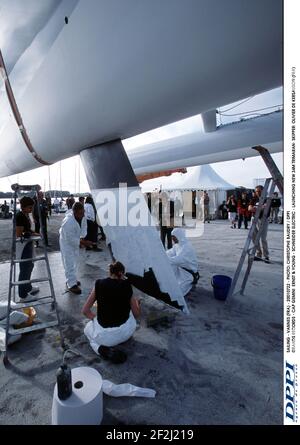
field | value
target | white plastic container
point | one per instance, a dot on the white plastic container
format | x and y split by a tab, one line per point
85	405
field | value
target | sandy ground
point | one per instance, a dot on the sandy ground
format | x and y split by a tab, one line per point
222	364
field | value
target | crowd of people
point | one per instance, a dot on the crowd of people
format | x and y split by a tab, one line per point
242	211
238	213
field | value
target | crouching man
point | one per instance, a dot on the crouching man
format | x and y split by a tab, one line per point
71	236
184	261
117	310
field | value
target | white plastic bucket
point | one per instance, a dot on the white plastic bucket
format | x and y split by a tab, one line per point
85	405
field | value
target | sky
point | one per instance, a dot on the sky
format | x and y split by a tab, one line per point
49	12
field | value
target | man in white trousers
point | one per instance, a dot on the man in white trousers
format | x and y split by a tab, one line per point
71	236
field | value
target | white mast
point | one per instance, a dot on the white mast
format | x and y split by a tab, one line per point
60	186
78	174
49	179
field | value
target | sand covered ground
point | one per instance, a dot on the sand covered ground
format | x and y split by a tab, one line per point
222	364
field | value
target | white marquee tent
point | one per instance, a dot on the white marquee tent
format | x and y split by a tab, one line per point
199	178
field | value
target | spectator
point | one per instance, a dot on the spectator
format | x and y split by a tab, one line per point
206	206
42	204
56	204
232	209
243	213
5	210
92	226
275	205
262	249
70	201
223	210
49	204
166	218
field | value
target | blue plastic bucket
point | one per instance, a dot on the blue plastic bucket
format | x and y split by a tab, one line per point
221	285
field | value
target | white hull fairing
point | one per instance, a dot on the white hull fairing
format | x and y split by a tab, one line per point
119	68
228	142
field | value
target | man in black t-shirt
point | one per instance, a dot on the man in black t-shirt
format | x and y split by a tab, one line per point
116	312
23	229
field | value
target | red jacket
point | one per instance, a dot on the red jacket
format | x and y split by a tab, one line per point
242	206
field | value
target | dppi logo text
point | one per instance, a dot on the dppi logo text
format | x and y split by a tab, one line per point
290	391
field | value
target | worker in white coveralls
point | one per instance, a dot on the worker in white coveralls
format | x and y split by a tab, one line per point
184	261
71	236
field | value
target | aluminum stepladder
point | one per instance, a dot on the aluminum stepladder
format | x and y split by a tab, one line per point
272	167
268	190
13	283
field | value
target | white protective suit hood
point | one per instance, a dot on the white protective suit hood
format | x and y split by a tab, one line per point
180	235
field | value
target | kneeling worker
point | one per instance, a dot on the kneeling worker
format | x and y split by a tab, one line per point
184	261
71	236
117	310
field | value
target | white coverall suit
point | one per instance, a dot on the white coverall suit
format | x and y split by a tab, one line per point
181	255
69	240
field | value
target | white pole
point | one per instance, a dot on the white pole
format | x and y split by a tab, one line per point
60	179
78	174
49	179
75	177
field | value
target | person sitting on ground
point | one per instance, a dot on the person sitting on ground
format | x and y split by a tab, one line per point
71	237
23	229
117	310
184	261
